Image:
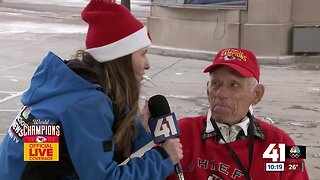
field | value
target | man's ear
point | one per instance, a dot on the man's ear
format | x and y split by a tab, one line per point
258	94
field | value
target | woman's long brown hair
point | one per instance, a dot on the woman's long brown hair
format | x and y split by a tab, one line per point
117	76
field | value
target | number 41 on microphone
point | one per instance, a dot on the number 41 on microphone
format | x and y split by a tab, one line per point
164	127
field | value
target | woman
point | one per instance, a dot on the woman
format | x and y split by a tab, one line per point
92	104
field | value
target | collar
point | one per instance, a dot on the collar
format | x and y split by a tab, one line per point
209	130
242	125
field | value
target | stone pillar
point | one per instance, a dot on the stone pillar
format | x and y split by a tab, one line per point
268	30
194	28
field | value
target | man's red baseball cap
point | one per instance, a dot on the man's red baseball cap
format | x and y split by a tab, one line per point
241	60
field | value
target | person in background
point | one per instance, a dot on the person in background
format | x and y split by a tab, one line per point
91	102
229	142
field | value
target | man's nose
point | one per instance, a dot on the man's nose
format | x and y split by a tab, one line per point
222	92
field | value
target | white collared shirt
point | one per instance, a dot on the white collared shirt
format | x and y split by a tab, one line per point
229	133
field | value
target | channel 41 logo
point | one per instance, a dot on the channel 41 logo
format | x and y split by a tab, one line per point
279	152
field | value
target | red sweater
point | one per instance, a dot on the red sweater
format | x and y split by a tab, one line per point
203	159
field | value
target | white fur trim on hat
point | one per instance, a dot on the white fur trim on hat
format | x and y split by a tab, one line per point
125	46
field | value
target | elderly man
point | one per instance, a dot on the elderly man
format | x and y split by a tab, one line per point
230	143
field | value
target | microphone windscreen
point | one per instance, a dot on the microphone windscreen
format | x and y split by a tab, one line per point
158	106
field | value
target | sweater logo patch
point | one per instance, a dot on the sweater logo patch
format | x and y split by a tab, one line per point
217	169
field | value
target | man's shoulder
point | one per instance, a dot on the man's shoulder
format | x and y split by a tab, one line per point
268	127
191	128
187	121
273	132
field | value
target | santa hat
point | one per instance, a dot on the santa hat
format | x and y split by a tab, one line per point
241	60
113	31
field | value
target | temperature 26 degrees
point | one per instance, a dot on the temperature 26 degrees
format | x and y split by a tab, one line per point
274	166
297	167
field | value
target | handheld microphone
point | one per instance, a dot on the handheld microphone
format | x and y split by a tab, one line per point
163	124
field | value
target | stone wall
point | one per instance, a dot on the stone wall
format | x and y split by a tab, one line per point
266	27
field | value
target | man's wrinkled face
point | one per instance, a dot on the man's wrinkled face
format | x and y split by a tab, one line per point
230	95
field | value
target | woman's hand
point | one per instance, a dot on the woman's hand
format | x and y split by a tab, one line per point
145	116
174	149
